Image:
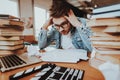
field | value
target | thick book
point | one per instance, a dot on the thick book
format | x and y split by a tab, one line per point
5	47
107	11
13	42
101	34
112	51
106	44
10	31
105	38
9	52
7	16
16	27
103	22
112	29
107	14
98	28
9	38
11	22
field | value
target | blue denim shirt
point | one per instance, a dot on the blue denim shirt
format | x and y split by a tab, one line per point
80	37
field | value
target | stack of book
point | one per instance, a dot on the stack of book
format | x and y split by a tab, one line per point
105	24
106	29
11	34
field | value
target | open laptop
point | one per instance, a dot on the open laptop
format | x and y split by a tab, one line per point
14	61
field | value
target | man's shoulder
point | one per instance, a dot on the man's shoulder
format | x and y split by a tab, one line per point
82	19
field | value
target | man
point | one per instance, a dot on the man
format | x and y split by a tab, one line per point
68	31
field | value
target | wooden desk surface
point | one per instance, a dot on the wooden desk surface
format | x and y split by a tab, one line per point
90	72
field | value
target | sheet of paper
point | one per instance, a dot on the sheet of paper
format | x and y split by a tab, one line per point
69	55
110	71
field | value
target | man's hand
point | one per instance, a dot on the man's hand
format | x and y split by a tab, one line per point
73	19
42	51
47	23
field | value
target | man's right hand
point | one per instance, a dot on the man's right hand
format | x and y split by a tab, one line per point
42	51
47	23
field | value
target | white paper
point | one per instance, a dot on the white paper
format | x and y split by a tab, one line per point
68	55
110	71
32	50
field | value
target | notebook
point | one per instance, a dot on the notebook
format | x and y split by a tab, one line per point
14	61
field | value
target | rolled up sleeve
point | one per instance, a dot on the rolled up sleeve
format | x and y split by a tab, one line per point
42	39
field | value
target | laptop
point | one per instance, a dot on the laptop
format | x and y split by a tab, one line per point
14	61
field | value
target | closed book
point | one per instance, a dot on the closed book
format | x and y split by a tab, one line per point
106	44
112	29
11	42
101	34
9	38
107	11
103	22
9	52
10	29
98	28
11	34
11	22
105	38
7	16
108	51
11	47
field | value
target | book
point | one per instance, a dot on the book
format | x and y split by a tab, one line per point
108	57
110	8
112	29
15	42
9	52
11	34
7	16
15	27
5	47
98	28
103	22
106	11
105	38
108	51
10	31
5	52
107	14
11	22
9	38
106	44
101	34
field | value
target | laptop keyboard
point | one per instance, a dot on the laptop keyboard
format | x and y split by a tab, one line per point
16	61
11	61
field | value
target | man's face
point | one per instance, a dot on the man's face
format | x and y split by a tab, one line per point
62	25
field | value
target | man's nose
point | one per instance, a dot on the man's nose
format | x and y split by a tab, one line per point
61	29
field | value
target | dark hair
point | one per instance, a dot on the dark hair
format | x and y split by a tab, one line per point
61	8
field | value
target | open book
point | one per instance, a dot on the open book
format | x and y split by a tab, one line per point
69	55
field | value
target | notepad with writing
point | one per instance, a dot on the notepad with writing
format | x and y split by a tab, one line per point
69	55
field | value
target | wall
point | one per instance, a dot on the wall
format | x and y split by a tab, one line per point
26	14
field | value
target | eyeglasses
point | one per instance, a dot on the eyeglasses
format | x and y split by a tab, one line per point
63	25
